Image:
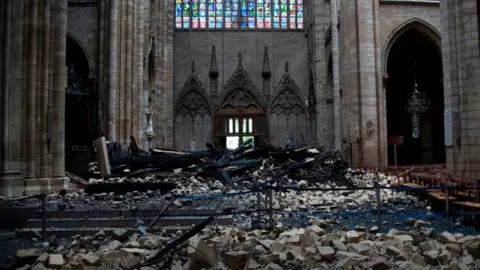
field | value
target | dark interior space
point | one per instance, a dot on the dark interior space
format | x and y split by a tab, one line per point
80	111
415	57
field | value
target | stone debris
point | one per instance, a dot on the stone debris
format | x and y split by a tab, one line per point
222	247
323	243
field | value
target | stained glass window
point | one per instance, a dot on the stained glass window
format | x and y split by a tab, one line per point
246	14
186	13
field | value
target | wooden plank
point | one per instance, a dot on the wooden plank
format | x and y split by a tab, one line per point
468	204
440	196
465	194
102	157
412	185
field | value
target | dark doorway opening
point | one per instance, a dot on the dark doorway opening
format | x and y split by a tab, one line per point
414	57
80	110
81	102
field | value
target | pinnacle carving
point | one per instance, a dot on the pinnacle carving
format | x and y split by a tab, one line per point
213	73
193	67
239	59
266	73
286	66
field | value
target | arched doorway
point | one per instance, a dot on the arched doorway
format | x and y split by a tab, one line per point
240	118
81	101
415	59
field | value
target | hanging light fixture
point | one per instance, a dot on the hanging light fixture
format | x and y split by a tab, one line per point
417	103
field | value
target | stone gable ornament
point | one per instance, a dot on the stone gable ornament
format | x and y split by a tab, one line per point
239	59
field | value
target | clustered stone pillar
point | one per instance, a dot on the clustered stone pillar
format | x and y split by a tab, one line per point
126	63
335	74
112	76
362	79
32	82
58	93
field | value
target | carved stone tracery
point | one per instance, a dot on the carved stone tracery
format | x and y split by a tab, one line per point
240	92
240	99
287	111
193	99
193	115
288	98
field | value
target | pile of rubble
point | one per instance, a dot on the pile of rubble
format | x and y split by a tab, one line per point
312	247
318	243
240	166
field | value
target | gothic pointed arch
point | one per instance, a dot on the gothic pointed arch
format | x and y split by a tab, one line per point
240	92
427	30
193	115
287	111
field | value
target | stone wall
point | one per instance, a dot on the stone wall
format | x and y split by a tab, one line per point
282	46
83	26
240	58
395	16
461	58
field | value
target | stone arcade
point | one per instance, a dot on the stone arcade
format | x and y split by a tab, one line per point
334	73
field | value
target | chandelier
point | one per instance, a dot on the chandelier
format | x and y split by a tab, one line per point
417	103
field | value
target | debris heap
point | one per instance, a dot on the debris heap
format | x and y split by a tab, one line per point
312	247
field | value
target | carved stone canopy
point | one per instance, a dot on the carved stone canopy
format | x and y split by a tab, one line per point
240	99
193	103
241	89
288	102
193	99
288	98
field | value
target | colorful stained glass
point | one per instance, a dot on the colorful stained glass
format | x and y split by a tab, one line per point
219	14
178	13
211	13
228	14
276	14
260	14
268	14
283	13
291	15
235	14
203	13
299	14
243	14
195	14
251	13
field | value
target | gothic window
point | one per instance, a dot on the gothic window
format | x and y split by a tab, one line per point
239	130
243	14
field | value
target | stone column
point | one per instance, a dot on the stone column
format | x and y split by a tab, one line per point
362	78
45	39
121	72
319	67
113	69
4	94
141	101
168	80
382	118
129	68
32	93
58	93
101	66
4	40
337	125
